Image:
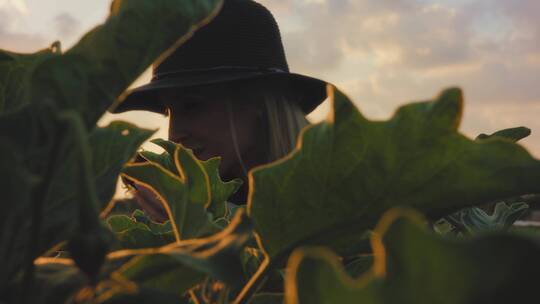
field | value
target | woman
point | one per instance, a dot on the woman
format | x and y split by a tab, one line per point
228	92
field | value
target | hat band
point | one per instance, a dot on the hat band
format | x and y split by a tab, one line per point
191	72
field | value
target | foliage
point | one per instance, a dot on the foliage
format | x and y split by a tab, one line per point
475	220
349	170
59	171
413	265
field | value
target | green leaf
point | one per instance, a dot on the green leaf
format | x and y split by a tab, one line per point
413	265
184	197
220	190
15	231
474	220
347	171
267	298
63	204
91	75
119	223
513	134
135	235
15	71
194	203
112	147
178	267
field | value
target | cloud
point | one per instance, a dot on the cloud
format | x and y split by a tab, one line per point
66	25
13	40
408	47
17	5
387	52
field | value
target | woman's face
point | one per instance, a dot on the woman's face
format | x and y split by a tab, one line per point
200	120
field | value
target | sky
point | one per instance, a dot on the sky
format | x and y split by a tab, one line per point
382	53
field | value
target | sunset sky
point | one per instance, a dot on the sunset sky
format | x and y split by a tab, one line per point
382	53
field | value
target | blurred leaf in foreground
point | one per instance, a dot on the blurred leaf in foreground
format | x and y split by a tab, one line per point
413	265
346	172
175	268
112	147
15	72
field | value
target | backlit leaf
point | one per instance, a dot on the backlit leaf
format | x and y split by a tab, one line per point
347	171
178	267
413	265
185	197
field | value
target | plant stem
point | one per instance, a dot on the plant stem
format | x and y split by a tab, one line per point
255	283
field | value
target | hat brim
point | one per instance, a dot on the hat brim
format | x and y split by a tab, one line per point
311	91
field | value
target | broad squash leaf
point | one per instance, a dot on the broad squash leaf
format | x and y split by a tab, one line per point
15	71
15	231
413	265
194	194
346	172
133	234
185	196
178	267
141	217
474	220
64	204
220	190
88	78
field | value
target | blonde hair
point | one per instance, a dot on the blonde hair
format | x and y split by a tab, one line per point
283	119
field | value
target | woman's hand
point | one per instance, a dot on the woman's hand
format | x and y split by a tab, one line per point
150	203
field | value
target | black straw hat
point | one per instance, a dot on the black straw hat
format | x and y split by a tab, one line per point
242	42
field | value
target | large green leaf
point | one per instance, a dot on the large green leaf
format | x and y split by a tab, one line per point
15	71
46	138
185	196
112	147
91	75
475	220
413	265
348	170
15	232
178	267
220	190
64	204
133	234
193	194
